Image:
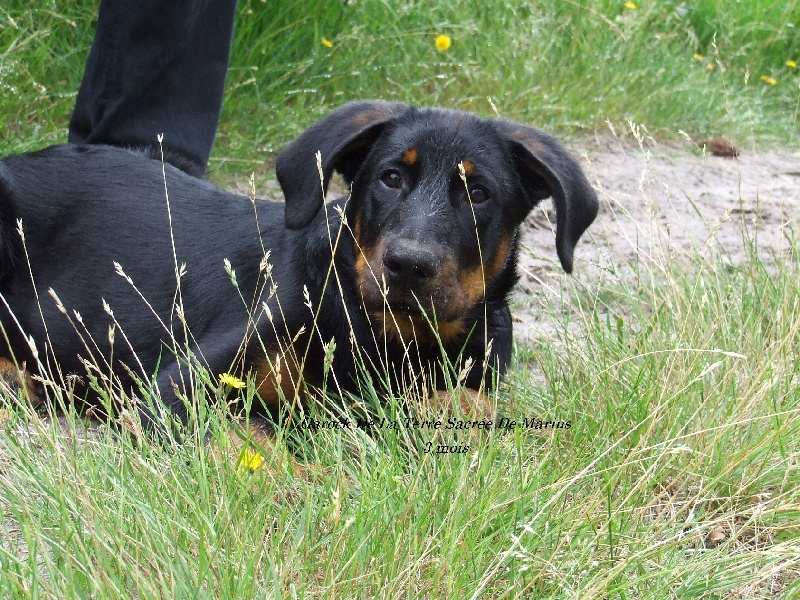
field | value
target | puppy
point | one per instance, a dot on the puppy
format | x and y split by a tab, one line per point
122	270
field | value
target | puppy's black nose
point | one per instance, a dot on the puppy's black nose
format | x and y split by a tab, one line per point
410	264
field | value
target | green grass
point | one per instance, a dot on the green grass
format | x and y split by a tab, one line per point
568	66
678	476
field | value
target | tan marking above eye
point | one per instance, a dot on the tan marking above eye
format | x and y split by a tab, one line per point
410	156
469	167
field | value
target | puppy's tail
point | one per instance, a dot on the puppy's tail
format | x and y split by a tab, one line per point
10	242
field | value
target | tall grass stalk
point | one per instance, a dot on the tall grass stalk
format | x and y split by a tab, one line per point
676	477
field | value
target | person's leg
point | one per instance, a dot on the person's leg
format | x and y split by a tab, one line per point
156	67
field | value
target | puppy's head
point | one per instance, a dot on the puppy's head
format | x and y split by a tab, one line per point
437	198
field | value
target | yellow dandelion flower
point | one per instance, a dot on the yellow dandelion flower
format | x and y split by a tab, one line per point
698	57
443	42
327	43
631	5
231	381
250	460
791	64
769	80
709	67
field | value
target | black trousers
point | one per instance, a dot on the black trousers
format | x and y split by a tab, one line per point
156	67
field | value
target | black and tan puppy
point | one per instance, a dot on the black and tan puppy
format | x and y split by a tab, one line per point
416	276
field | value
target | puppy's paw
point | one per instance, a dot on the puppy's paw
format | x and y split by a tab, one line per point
474	405
18	382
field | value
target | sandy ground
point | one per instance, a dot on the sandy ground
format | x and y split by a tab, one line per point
663	203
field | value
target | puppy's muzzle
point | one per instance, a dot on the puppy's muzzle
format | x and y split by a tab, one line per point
409	265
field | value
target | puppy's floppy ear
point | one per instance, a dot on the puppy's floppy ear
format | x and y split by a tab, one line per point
342	138
547	170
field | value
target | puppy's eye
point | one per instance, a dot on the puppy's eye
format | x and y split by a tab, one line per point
392	179
478	194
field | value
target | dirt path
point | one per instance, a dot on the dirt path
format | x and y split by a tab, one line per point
661	203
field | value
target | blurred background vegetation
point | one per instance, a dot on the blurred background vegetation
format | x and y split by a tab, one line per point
706	68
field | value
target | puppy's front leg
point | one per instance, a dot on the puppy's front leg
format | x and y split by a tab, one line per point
489	348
